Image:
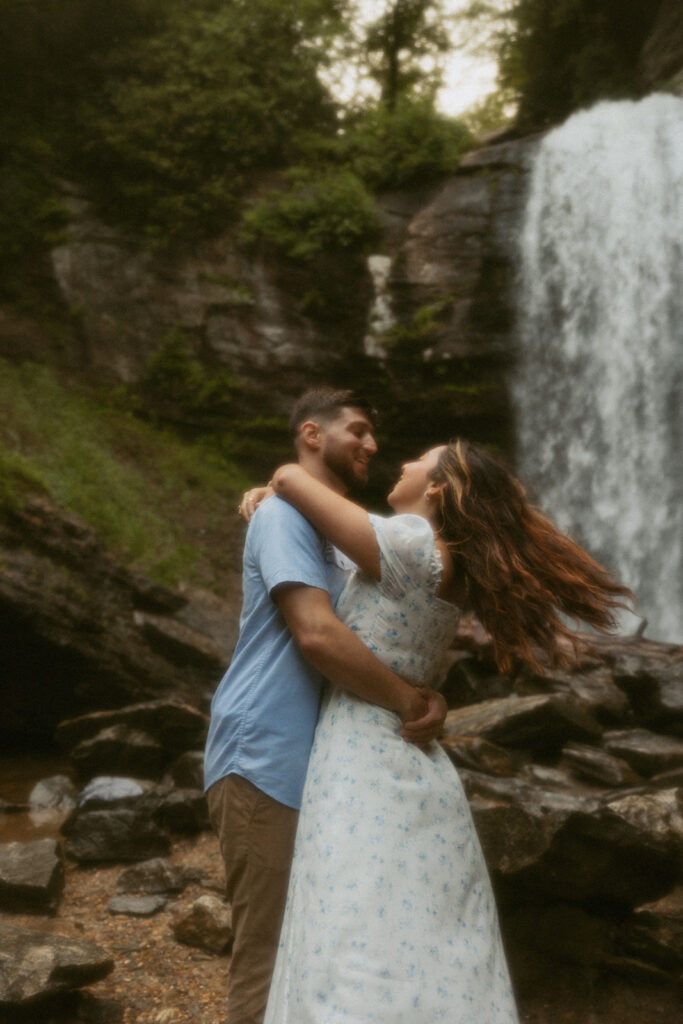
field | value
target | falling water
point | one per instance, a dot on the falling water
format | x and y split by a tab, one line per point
598	388
381	318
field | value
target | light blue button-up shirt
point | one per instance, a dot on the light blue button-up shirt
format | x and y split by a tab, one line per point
264	712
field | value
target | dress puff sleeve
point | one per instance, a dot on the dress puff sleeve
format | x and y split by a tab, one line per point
408	554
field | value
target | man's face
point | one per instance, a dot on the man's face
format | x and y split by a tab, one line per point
348	445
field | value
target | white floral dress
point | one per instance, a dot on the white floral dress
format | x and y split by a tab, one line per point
390	916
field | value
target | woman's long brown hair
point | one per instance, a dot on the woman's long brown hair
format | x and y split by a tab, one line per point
521	571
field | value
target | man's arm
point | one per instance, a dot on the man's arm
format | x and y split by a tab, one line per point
343	658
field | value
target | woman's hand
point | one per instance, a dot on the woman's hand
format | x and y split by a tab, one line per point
252	499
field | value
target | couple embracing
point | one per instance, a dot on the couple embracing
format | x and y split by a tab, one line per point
390	916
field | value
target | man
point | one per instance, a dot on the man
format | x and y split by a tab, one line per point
265	709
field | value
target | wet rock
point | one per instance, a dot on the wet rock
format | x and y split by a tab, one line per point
662	920
68	615
36	966
647	752
550	778
120	834
187	771
107	791
595	690
31	876
480	755
562	931
56	793
543	722
181	643
157	875
136	906
183	811
119	748
558	844
470	680
207	924
655	687
177	727
598	766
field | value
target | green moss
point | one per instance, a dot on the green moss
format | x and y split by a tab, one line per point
151	497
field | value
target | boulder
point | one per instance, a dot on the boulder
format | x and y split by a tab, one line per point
36	966
178	810
470	680
598	766
107	791
56	793
176	726
136	906
207	924
31	876
119	834
157	875
119	748
543	722
654	684
595	690
647	752
480	755
611	848
187	771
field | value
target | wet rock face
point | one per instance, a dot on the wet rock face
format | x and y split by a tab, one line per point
661	58
68	626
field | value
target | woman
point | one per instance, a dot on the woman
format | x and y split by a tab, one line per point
390	915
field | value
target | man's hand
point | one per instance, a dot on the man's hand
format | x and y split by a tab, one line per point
422	731
252	499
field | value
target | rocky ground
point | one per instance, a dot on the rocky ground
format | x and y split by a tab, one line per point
575	780
156	979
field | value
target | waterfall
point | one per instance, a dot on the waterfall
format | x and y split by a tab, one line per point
381	318
598	386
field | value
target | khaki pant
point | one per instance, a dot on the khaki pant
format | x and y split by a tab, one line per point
256	836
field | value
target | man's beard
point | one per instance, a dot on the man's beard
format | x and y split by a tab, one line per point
341	466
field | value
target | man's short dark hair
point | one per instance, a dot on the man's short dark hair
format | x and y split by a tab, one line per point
325	404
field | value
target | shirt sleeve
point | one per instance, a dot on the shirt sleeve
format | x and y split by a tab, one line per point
408	554
286	548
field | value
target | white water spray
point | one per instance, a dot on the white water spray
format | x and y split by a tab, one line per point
598	387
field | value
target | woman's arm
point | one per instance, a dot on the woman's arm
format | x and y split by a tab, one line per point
346	524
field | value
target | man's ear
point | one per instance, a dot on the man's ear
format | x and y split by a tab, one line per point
311	435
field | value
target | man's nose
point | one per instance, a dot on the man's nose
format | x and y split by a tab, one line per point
370	444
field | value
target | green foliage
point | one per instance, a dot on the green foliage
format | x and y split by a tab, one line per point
176	386
140	488
410	145
558	55
192	111
423	327
493	113
316	212
31	215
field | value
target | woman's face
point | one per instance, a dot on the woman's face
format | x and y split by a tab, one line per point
409	489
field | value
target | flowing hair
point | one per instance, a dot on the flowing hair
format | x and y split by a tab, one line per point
521	572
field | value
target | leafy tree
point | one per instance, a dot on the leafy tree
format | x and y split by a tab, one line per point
409	145
190	113
558	55
403	48
320	210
